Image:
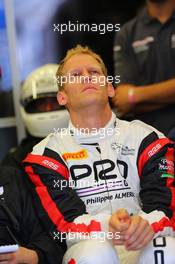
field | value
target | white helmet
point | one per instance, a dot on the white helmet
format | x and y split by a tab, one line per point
40	110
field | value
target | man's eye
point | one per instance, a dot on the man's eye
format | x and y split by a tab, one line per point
94	72
75	74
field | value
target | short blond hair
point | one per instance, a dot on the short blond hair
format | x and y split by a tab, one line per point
74	51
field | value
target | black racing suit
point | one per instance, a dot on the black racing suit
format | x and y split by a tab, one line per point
17	212
15	156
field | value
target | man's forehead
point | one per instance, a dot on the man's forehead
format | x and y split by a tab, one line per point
80	60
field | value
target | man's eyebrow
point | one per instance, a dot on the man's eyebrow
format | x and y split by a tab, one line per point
73	70
90	66
99	69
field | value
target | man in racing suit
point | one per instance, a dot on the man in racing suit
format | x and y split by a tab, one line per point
103	179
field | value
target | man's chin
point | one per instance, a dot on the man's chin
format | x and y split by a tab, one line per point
91	100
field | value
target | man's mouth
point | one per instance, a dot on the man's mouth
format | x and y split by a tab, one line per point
89	88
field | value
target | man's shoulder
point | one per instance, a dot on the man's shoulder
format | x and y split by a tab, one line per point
11	175
126	33
53	141
138	128
129	27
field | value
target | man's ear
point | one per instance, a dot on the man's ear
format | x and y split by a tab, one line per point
111	91
61	98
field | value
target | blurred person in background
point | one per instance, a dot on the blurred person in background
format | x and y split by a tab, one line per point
144	54
90	12
40	111
41	114
20	226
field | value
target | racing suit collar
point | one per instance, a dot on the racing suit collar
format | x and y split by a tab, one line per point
95	135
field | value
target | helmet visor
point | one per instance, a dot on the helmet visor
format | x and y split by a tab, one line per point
42	104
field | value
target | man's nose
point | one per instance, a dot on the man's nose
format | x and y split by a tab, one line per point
87	77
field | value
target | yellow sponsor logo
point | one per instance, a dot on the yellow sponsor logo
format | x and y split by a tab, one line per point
82	154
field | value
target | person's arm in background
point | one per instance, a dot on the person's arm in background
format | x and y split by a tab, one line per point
21	256
142	99
11	218
132	98
159	93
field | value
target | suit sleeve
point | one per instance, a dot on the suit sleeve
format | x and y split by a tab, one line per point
61	210
48	251
156	170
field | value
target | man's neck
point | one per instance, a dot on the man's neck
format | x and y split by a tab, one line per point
91	119
161	11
